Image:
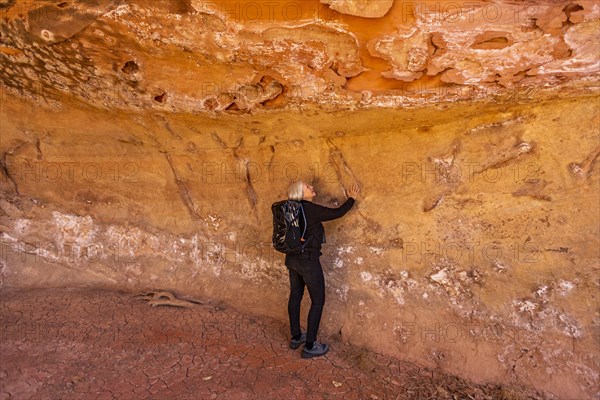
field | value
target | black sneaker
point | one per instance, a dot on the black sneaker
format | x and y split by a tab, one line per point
294	344
317	350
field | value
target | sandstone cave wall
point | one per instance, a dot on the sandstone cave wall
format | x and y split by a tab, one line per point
473	246
142	144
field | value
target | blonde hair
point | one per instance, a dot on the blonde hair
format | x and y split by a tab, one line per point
296	191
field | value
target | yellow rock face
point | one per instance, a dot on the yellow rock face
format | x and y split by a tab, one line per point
143	143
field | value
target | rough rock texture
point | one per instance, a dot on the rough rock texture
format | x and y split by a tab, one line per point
142	144
192	56
475	243
361	8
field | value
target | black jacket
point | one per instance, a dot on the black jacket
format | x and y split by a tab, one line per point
315	215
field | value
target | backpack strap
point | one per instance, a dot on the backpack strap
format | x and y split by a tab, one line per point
303	216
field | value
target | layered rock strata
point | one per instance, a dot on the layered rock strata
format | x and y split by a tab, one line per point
201	55
143	142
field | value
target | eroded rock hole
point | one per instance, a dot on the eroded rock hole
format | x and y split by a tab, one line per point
232	107
530	24
6	3
181	6
570	9
160	98
211	104
130	67
485	42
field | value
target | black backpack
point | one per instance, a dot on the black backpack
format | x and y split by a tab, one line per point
289	227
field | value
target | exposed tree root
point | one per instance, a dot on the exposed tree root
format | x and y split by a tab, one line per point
163	298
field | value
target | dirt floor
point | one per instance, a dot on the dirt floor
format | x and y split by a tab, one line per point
98	344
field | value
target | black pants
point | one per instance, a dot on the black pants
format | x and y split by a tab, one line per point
306	271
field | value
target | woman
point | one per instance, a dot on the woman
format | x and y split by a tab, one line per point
305	268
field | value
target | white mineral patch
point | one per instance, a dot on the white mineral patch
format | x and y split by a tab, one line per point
74	233
570	326
376	250
6	236
564	287
343	292
338	263
126	239
196	252
524	147
74	229
542	291
342	250
22	225
499	267
411	284
525	305
359	260
366	276
398	294
119	11
441	277
213	220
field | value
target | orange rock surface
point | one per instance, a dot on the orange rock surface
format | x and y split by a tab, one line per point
143	142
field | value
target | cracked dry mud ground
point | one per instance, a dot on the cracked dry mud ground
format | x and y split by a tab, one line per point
100	344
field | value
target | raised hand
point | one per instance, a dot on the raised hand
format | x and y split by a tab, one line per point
353	191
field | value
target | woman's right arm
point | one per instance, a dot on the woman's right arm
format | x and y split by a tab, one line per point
327	214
